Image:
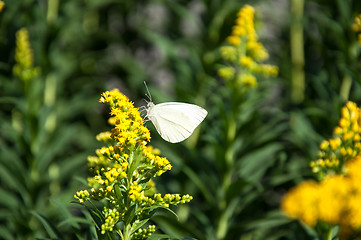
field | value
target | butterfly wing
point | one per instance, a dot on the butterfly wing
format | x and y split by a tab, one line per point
175	121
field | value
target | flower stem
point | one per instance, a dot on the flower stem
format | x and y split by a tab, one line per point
345	88
52	14
329	234
297	52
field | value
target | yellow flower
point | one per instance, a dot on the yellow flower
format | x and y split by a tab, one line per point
2	4
268	70
332	193
234	40
345	143
247	62
245	22
324	145
301	202
337	130
245	53
24	67
229	53
247	80
356	27
104	136
129	128
123	170
244	27
335	143
226	72
334	200
136	194
257	51
353	167
82	195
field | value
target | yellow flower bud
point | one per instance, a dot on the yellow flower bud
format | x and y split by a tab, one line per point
226	72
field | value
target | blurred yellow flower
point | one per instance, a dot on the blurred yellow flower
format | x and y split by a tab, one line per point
344	145
245	24
301	202
356	27
229	53
226	72
246	62
247	80
234	40
335	200
24	67
2	4
244	53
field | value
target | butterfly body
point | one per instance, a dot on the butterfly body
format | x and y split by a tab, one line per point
175	121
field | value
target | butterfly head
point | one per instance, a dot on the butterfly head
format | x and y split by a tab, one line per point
147	109
150	105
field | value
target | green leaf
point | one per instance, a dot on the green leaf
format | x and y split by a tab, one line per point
6	234
138	225
128	218
162	211
74	222
96	215
254	165
135	158
159	236
166	236
69	218
49	227
118	192
8	199
14	181
270	220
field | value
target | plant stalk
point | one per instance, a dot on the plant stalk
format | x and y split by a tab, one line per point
345	88
297	52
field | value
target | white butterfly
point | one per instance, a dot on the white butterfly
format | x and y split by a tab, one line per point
174	121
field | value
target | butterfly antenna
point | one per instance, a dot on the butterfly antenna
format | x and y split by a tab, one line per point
148	95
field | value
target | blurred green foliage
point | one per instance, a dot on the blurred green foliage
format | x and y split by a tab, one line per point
84	47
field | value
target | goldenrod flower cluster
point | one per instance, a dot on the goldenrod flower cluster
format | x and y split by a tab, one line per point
129	129
356	27
24	67
244	53
344	145
144	233
124	169
111	217
105	137
335	200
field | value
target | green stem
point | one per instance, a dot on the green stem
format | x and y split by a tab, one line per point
52	14
345	88
229	152
297	52
222	226
120	234
126	233
329	234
